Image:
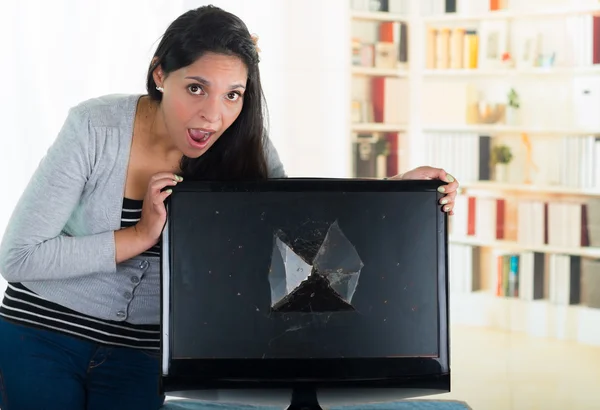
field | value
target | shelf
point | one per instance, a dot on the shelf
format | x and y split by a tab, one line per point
538	318
377	16
585	252
506	130
378	127
383	72
531	189
512	15
533	71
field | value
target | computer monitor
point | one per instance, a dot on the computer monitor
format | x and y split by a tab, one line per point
306	290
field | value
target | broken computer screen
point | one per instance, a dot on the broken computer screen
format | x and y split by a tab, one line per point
303	275
312	272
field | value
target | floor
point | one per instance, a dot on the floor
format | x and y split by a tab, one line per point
495	370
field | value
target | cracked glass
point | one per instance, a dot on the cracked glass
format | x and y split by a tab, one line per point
314	272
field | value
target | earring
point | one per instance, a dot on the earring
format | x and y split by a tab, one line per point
160	89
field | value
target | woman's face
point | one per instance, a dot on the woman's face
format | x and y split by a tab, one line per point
202	100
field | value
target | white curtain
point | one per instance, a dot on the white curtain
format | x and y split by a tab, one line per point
58	53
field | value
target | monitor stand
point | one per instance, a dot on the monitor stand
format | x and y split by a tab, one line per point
304	398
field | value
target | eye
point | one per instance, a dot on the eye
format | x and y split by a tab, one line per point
234	96
195	89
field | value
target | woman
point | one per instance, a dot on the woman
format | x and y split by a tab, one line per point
79	323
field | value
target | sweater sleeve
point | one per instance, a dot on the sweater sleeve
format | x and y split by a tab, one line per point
34	246
276	168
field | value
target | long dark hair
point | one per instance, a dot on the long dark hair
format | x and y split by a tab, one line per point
240	151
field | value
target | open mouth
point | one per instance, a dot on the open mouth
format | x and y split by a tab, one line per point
199	138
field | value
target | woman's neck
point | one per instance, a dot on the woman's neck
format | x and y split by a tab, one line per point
154	128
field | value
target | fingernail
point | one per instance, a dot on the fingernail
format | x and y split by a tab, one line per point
446	208
169	191
180	178
442	189
444	201
449	178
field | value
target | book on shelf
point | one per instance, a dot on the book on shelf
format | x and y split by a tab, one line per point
590	283
522	275
452	48
531	272
583	36
556	276
464	268
570	162
564	287
507	275
469	45
460	7
562	224
468	154
532	222
391	6
389	98
380	44
561	280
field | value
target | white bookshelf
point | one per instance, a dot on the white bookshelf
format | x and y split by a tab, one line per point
513	72
498	189
538	318
514	246
378	127
518	14
508	130
368	69
483	308
378	16
374	71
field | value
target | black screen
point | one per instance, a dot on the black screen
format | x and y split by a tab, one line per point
227	264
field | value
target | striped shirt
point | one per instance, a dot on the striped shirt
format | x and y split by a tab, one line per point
24	306
130	215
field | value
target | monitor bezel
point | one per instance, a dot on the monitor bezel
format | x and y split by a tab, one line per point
415	372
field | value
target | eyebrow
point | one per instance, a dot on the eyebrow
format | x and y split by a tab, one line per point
205	82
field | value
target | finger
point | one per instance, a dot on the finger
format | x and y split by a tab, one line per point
160	198
431	173
448	199
450	179
451	187
157	186
441	174
166	175
447	208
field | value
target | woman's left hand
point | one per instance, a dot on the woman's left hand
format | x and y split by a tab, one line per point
436	173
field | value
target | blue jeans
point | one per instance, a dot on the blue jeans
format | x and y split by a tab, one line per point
46	370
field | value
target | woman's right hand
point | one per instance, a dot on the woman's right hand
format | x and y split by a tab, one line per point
154	213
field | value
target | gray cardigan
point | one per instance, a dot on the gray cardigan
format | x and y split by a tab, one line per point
59	241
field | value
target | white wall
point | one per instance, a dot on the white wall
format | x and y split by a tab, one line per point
317	88
305	75
56	54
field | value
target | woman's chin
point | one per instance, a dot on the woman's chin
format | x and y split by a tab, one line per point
192	152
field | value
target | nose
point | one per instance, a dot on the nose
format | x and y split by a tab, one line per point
210	110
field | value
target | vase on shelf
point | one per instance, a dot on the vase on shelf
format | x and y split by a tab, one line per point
512	116
501	172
